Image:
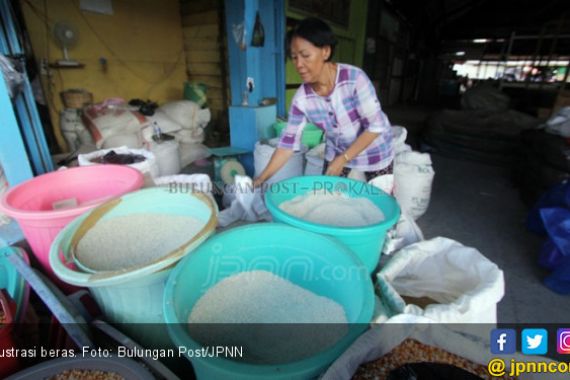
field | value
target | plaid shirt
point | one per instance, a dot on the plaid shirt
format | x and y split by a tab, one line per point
349	110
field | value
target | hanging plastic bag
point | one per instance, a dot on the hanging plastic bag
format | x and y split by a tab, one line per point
258	37
12	77
239	35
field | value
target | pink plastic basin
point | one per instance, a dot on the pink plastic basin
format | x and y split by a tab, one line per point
31	203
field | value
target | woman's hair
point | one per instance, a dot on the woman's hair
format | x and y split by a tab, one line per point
314	30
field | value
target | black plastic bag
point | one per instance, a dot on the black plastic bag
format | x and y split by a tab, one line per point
258	37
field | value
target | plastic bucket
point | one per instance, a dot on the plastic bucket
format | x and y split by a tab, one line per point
135	295
367	241
79	189
301	257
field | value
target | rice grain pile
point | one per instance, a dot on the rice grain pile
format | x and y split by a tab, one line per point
134	240
334	209
273	319
412	351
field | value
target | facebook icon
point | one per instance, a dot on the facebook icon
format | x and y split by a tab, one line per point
503	341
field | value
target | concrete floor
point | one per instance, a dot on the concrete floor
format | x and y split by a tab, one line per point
478	206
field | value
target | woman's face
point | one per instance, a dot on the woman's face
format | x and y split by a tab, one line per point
308	59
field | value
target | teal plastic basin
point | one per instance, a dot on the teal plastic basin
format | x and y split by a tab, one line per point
12	281
366	242
134	296
312	261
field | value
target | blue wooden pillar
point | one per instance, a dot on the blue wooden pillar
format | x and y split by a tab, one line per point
264	65
13	156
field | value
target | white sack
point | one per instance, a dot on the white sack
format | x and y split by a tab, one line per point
413	178
187	113
465	284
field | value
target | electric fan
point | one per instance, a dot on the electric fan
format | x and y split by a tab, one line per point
66	36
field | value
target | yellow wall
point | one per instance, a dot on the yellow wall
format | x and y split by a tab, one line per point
141	41
203	40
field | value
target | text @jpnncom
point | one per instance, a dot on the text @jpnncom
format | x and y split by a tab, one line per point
498	367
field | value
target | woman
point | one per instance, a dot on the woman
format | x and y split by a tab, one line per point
339	99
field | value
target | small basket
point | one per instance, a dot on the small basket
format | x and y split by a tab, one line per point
76	98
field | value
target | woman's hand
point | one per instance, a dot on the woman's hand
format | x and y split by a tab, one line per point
277	161
336	166
361	143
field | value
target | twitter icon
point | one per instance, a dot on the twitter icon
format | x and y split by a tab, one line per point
534	341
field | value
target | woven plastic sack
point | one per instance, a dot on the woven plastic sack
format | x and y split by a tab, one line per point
463	286
187	113
413	178
105	121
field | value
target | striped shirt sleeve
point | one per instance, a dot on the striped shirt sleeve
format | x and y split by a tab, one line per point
291	137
